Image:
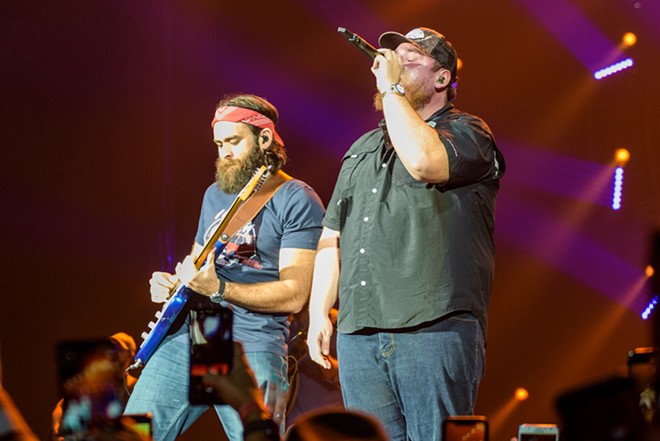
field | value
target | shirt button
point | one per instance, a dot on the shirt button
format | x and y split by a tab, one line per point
374	190
383	165
353	156
363	283
366	219
361	250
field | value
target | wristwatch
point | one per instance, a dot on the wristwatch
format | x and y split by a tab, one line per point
219	297
265	425
395	88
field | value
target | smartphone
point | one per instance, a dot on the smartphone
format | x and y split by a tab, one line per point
141	423
642	372
91	383
211	350
463	428
641	366
538	432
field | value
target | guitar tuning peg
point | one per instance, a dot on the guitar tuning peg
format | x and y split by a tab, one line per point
151	325
159	314
144	335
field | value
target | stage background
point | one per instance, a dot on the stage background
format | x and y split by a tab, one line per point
106	148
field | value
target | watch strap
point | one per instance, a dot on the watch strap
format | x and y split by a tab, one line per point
219	296
265	425
395	89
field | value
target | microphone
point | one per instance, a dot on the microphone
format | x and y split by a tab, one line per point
359	43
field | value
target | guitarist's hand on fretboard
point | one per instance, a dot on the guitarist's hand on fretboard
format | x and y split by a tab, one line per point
161	286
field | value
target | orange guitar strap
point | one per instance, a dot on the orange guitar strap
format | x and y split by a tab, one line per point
254	204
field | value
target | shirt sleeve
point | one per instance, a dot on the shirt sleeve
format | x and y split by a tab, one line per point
471	150
302	216
333	213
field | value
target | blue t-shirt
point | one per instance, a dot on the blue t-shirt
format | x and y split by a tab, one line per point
291	219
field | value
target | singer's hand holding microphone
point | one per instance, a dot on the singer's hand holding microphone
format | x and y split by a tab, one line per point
386	65
386	68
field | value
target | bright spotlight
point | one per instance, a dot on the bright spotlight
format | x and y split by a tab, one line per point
614	68
649	308
617	190
521	394
649	271
621	157
629	39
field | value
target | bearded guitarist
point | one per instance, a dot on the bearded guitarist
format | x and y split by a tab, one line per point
263	273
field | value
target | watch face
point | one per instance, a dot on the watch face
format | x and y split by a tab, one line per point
398	88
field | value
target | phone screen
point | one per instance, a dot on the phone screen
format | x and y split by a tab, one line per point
465	429
91	385
538	432
141	423
211	351
538	437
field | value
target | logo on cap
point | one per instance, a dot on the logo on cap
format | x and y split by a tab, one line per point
415	34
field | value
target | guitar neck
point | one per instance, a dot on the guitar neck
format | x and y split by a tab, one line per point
250	188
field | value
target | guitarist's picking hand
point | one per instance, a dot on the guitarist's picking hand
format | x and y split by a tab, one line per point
161	285
205	281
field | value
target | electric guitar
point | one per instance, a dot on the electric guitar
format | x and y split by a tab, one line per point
180	292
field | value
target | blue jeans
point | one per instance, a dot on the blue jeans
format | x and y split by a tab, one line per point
411	381
162	389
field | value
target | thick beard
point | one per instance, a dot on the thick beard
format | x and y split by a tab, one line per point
231	175
416	95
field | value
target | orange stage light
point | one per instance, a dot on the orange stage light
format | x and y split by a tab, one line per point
521	394
621	157
649	271
629	39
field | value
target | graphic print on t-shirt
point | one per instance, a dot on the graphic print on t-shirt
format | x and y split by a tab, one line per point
241	247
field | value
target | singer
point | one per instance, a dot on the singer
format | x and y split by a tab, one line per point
407	246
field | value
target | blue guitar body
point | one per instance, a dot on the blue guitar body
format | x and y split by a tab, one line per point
165	317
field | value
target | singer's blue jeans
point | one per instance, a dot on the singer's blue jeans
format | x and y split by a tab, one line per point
411	381
162	389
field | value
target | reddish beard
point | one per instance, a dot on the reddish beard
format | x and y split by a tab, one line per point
416	93
232	174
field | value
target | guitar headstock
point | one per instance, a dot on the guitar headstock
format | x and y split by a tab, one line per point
256	181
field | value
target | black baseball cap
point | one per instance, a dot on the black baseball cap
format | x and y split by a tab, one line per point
431	42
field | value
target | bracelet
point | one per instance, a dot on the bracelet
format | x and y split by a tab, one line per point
267	426
247	408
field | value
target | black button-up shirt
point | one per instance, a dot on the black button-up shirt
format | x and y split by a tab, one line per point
413	252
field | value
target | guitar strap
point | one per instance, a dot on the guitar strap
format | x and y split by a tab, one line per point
254	204
246	212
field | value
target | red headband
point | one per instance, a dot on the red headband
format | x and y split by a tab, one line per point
247	116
